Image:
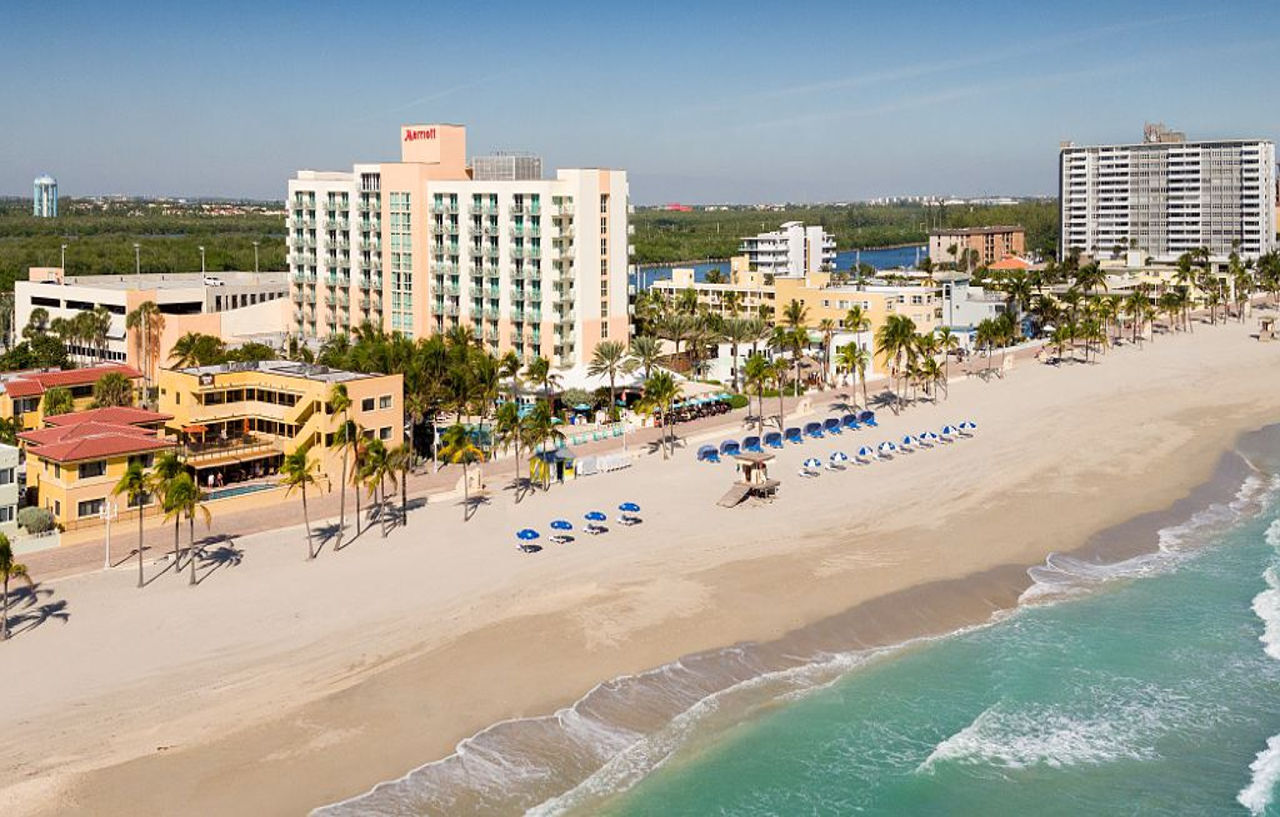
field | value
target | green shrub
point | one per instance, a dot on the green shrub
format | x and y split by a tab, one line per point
35	520
737	401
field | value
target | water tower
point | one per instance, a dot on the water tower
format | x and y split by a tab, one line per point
44	195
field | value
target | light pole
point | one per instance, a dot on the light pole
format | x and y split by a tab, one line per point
137	259
202	260
107	512
255	256
64	259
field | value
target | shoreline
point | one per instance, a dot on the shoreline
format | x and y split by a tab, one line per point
520	649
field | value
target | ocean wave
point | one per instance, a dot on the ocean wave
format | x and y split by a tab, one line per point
1265	775
1065	576
1121	725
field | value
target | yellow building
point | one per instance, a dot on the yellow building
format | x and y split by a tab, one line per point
22	398
73	466
237	420
751	289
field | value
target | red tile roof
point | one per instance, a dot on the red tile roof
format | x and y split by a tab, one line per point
91	440
120	415
33	383
1012	262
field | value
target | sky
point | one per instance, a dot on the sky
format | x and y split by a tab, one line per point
701	102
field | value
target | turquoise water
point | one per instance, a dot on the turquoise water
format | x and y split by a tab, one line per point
891	258
1147	685
1156	693
238	490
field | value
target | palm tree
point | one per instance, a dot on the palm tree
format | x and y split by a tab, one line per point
930	373
828	329
894	342
112	389
374	473
541	428
147	324
9	570
135	486
610	358
661	391
195	349
460	450
795	315
508	431
948	342
297	471
58	400
399	459
539	371
854	358
339	403
757	377
165	472
183	498
645	351
737	332
778	373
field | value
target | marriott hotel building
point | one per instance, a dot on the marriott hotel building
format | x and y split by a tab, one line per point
425	244
1166	196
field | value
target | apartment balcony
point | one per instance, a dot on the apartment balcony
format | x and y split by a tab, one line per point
490	313
533	315
450	309
308	241
309	298
564	210
367	226
339	224
364	304
564	236
451	290
444	206
526	231
493	292
517	296
444	268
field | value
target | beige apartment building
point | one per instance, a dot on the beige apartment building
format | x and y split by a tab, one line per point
427	244
991	244
747	291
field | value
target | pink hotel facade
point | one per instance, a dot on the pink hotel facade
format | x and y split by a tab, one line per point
419	246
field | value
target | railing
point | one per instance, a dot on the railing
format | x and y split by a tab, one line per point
235	446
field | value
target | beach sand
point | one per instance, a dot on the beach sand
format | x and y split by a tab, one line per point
279	685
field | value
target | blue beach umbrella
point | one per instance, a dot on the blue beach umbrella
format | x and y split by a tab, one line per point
887	447
947	431
561	524
594	516
812	462
629	507
930	436
909	440
866	452
968	426
839	456
527	535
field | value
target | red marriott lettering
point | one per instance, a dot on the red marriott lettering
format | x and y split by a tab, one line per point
419	133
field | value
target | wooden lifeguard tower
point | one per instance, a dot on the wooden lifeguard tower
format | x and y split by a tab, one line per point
1266	329
753	479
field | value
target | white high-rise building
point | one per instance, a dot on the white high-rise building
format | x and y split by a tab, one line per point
421	246
791	250
1166	196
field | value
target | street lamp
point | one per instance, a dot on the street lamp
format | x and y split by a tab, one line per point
137	258
255	256
107	512
64	259
202	260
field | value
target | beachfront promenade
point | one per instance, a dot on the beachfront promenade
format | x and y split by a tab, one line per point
361	665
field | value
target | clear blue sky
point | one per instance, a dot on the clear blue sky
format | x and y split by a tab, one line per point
700	102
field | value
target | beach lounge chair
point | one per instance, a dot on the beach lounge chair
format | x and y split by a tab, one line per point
850	421
813	430
831	425
793	435
752	444
773	439
595	529
629	520
708	453
730	448
868	418
527	547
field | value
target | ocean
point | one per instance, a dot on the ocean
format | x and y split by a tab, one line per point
890	258
1147	683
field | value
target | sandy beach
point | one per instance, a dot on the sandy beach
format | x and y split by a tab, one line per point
278	685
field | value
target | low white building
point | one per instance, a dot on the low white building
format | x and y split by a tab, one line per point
964	305
9	490
791	250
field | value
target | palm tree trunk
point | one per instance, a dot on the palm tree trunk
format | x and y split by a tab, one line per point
357	492
404	496
4	612
191	550
306	521
342	489
177	555
466	499
382	513
140	506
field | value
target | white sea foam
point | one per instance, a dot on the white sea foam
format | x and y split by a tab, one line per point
1266	774
1064	576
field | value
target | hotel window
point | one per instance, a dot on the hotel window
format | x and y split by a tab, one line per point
57	470
6	513
142	499
89	507
92	469
366	404
384	433
384	402
6	476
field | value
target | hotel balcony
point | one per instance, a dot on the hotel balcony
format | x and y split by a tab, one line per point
451	290
563	210
444	206
526	230
339	224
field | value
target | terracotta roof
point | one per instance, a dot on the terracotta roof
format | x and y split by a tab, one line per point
1011	262
90	440
120	415
34	383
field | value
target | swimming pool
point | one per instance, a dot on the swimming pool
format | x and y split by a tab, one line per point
238	490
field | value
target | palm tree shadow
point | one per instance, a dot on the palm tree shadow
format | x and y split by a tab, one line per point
472	504
169	565
34	617
323	535
225	555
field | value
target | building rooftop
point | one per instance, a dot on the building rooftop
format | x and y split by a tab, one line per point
118	415
174	280
31	384
997	228
285	368
91	440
